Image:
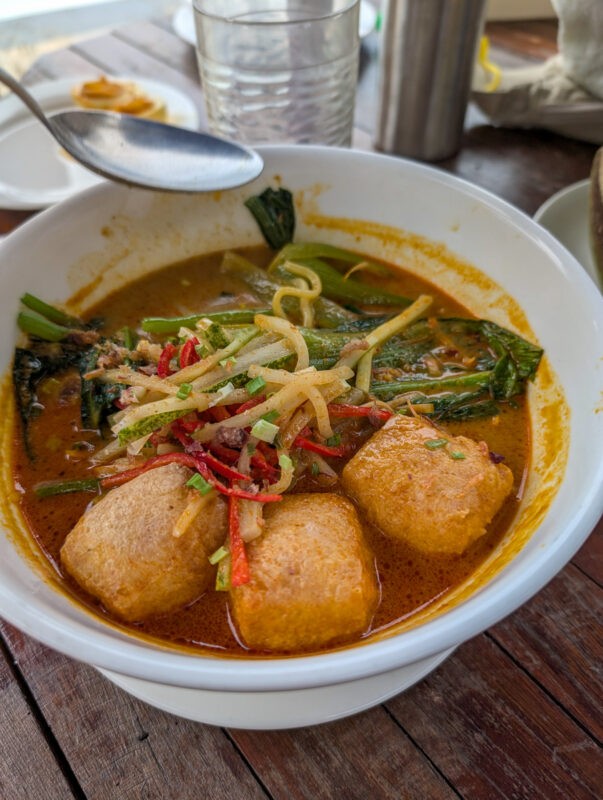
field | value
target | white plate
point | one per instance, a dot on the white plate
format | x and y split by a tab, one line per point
35	172
183	21
565	215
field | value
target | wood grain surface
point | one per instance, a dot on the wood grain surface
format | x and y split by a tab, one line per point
513	713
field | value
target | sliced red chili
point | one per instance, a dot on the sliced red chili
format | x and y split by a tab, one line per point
235	491
321	449
263	468
222	469
268	452
255	401
155	461
163	365
239	565
226	454
199	452
188	354
217	414
344	410
188	424
200	462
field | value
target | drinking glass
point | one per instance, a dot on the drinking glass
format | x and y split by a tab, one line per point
276	71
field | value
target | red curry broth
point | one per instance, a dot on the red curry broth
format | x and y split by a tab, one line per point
409	581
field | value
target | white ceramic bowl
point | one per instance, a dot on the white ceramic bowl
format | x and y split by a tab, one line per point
503	265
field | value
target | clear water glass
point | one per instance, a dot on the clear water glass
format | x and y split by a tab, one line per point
276	71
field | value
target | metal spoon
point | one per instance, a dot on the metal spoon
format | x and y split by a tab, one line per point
145	153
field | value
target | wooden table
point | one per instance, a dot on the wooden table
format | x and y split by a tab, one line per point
514	713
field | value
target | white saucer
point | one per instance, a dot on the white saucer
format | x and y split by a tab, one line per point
274	710
183	21
565	215
34	170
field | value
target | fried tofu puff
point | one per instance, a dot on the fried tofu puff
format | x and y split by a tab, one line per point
313	580
437	498
123	550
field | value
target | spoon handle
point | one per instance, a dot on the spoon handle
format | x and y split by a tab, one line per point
7	79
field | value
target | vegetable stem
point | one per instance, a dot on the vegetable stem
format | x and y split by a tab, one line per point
50	312
36	325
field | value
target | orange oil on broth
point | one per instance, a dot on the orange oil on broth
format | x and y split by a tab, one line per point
409	580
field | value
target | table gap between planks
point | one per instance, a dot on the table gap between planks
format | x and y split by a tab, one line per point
514	713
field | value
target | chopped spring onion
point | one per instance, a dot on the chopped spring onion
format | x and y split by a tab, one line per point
435	444
271	416
222	393
199	483
265	431
223	574
334	440
184	391
218	555
457	455
129	337
285	461
255	386
228	362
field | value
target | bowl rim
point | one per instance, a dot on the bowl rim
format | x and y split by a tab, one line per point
101	647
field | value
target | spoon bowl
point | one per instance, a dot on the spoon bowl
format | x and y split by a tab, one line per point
153	155
145	153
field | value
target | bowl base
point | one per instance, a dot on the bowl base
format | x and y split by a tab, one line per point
274	710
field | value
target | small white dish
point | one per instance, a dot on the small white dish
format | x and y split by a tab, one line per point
565	215
183	21
35	172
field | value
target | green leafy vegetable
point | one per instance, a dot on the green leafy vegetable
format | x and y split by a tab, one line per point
42	328
327	314
30	367
335	287
274	212
97	398
53	488
50	312
244	316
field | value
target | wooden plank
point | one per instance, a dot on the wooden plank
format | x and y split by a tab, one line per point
28	768
495	734
120	747
590	556
61	64
164	45
9	220
557	638
518	166
368	754
535	39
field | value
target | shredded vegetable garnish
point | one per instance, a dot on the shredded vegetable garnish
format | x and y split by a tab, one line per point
289	332
194	507
273	393
306	291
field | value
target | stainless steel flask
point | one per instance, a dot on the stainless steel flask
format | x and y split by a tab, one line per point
428	50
